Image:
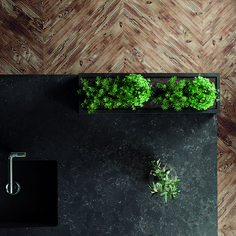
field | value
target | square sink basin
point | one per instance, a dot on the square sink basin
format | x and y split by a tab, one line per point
36	203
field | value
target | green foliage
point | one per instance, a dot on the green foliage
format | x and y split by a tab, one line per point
131	91
201	93
172	95
164	185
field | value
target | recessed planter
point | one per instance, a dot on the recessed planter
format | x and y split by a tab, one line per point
150	106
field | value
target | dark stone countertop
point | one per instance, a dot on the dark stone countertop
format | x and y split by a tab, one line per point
103	161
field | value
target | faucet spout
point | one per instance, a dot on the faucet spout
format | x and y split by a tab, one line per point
17	154
10	186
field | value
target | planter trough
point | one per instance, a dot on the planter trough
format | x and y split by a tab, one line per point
150	106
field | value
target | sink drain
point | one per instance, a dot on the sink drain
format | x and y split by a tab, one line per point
16	188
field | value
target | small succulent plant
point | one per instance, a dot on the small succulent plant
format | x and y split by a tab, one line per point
163	183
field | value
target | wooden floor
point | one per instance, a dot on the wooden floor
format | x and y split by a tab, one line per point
73	36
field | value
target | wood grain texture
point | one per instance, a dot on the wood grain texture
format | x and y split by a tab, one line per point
21	37
73	36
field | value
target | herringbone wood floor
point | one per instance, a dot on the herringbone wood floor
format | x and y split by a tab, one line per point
73	36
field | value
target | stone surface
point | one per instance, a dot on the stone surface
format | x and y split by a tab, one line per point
103	161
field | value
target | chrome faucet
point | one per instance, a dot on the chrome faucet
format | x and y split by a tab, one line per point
13	187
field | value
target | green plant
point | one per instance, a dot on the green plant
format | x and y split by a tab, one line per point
163	183
171	94
131	91
98	93
201	93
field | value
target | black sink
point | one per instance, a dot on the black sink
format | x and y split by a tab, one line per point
36	202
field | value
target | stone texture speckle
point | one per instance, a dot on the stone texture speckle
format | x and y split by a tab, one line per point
103	161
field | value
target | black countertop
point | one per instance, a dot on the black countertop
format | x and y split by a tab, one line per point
103	161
